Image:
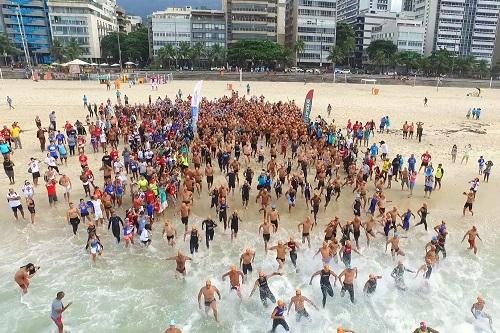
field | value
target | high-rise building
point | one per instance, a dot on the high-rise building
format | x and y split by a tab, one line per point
26	24
407	34
365	22
208	27
463	27
133	22
349	10
86	21
121	19
170	26
407	5
175	25
313	22
255	20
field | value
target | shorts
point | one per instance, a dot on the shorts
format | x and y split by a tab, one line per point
52	199
35	175
67	189
356	234
57	321
169	238
98	215
266	237
305	234
468	205
185	220
234	229
428	188
14	209
261	159
31	209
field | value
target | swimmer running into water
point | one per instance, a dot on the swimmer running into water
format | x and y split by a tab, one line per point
180	260
208	292
477	310
23	275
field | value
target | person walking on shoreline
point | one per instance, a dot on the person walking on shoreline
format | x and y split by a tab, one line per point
57	309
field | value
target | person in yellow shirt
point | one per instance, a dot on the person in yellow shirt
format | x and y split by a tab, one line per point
15	135
438	176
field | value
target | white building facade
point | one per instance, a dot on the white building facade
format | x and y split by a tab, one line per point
463	27
348	10
406	34
170	26
314	22
86	21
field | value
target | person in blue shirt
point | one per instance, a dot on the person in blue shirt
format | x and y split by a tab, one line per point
374	150
85	101
63	153
71	144
52	148
60	137
481	163
412	161
382	125
84	210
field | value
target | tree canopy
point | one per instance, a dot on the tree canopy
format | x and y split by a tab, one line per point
345	44
266	53
134	46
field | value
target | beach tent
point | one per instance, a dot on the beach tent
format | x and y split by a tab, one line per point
77	62
115	65
130	63
94	64
104	64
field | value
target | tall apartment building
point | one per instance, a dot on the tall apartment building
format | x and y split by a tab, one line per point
314	22
133	22
170	26
349	10
365	22
255	20
406	34
26	22
87	21
464	27
208	27
175	25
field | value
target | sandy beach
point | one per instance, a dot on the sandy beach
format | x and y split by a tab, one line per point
134	290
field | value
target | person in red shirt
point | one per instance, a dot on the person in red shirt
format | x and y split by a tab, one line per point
150	196
83	160
81	143
6	135
51	192
426	158
68	127
114	154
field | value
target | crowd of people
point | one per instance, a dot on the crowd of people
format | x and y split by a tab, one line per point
154	168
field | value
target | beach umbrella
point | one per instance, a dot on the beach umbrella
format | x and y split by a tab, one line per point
115	65
130	63
77	62
104	64
94	64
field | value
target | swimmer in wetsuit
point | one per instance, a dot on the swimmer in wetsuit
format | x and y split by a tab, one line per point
114	223
371	284
180	260
398	275
324	282
292	248
278	317
265	292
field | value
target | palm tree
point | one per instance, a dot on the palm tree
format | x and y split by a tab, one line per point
335	55
184	52
6	47
380	59
482	68
465	64
198	52
298	48
73	50
166	54
57	50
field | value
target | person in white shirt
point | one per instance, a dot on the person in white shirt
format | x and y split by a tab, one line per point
98	208
28	190
34	167
145	236
14	201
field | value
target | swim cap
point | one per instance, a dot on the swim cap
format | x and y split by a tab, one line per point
423	325
349	266
273	206
434	238
396	234
172	322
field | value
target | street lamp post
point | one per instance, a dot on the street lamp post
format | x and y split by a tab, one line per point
119	46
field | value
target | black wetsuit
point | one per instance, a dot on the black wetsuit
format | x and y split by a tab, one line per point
209	231
223	214
193	242
423	217
372	286
265	292
245	193
114	223
293	253
235	219
326	287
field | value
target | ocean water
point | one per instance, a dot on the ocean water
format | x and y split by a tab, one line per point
134	289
